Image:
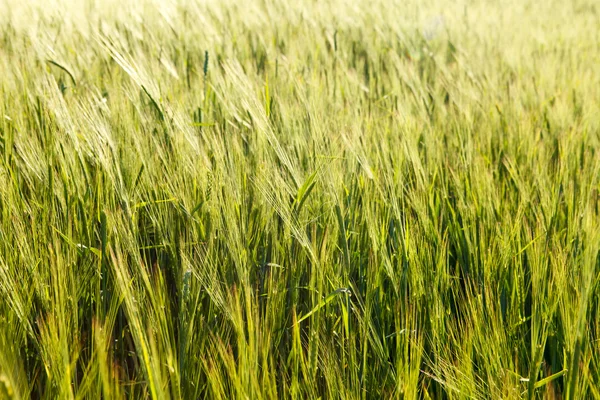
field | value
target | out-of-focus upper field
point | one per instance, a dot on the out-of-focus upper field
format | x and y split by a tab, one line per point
299	199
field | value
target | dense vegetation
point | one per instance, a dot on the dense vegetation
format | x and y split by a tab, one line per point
299	199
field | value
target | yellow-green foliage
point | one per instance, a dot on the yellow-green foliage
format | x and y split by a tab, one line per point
264	199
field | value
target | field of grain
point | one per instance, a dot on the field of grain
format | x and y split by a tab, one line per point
273	199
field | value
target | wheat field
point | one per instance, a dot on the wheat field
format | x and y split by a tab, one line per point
269	199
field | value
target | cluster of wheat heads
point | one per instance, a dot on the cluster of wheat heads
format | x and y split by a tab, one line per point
299	199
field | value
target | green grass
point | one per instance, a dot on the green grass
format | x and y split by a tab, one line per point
300	199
